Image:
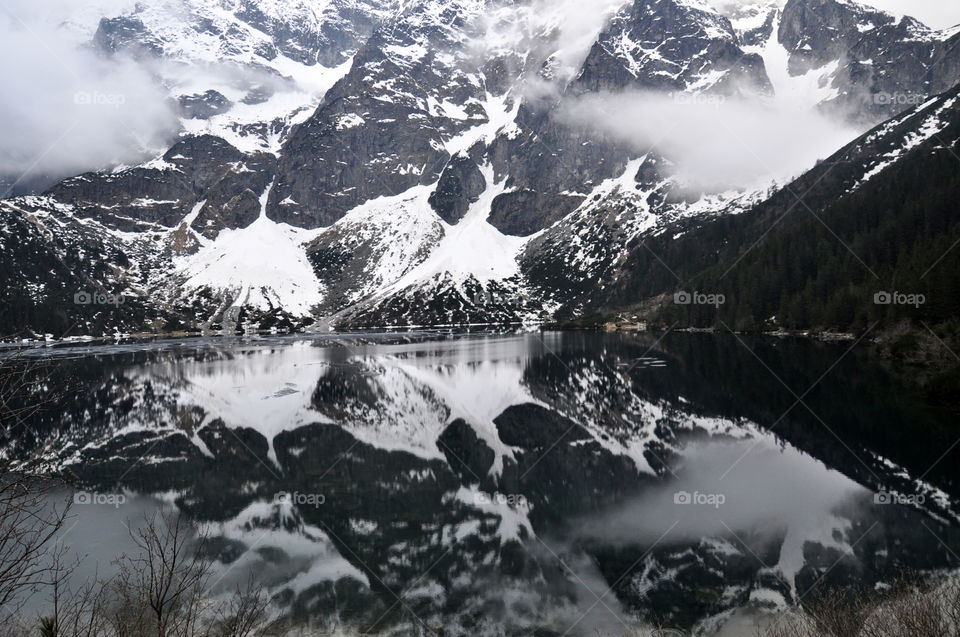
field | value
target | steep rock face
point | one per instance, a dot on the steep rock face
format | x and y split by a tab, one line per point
126	34
817	32
130	200
885	64
590	194
550	169
245	29
204	105
217	60
164	192
328	38
460	185
671	45
400	138
383	128
662	45
512	211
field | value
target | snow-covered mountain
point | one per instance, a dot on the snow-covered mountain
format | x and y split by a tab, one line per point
368	162
849	58
245	71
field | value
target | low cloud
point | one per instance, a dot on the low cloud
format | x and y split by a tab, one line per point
576	25
716	143
67	109
731	486
557	33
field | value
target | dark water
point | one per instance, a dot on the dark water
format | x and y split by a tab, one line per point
557	483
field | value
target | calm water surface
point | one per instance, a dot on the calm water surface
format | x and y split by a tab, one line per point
488	484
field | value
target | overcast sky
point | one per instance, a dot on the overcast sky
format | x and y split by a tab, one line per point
939	14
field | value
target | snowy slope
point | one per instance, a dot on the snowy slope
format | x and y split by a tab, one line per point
262	266
271	61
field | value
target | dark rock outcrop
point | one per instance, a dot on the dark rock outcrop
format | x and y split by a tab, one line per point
460	185
694	47
204	105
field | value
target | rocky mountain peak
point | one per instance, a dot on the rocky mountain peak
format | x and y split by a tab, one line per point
671	45
415	161
884	63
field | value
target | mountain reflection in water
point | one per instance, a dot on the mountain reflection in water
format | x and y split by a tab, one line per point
501	484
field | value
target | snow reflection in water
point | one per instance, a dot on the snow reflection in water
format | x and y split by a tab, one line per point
499	483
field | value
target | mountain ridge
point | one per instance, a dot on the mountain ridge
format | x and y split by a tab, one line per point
436	181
